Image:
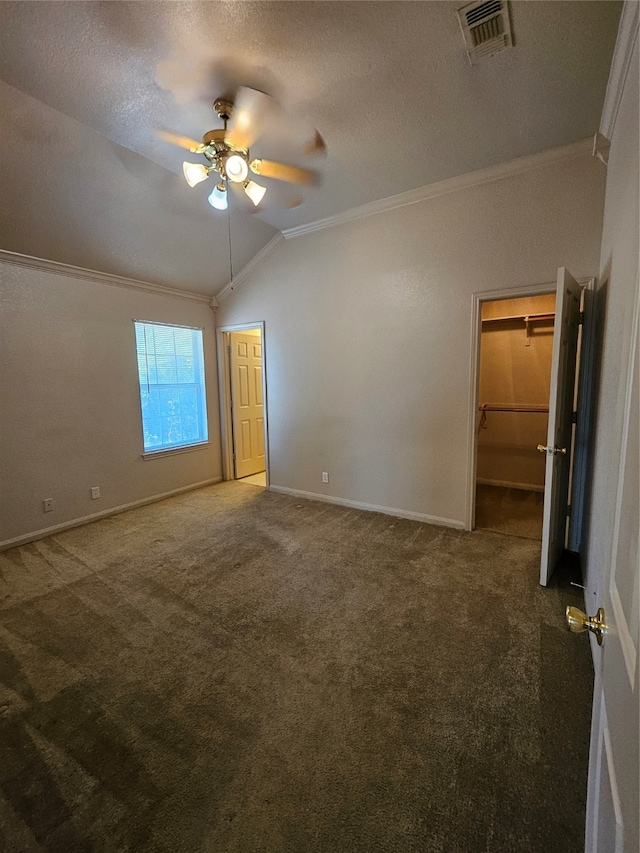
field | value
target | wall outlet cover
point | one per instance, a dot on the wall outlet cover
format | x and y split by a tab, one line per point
325	477
95	492
47	505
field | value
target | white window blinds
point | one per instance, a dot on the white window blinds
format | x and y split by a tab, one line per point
172	386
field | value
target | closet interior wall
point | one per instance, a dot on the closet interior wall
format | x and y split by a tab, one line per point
515	367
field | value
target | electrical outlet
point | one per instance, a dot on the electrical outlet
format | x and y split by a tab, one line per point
47	505
325	476
95	492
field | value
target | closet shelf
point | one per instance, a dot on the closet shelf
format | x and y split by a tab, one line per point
527	318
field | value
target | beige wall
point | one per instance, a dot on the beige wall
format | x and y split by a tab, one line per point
514	370
368	328
70	410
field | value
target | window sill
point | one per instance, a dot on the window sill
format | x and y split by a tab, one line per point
172	451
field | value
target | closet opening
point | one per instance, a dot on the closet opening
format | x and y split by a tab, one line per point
514	377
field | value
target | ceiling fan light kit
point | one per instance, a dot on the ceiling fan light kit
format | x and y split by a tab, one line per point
236	168
194	173
218	197
254	191
227	150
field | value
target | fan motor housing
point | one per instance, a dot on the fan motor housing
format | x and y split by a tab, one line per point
215	138
217	150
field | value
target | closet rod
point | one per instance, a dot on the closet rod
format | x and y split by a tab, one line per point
486	407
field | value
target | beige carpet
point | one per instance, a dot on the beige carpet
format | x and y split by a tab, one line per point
517	512
236	670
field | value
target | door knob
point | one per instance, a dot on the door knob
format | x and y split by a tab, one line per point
579	621
556	450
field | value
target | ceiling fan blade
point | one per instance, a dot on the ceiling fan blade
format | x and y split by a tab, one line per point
286	202
181	141
253	112
316	146
283	172
240	199
274	198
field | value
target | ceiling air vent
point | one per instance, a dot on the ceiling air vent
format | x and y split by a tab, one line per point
486	28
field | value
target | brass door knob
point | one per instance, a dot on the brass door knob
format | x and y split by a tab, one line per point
579	621
556	450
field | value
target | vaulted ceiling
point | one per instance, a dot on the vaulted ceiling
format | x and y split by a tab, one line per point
85	180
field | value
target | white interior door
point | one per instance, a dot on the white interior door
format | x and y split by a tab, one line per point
247	404
614	764
558	449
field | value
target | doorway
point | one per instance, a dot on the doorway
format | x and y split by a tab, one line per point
569	408
516	343
243	403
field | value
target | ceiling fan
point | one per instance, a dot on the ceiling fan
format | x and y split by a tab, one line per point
227	150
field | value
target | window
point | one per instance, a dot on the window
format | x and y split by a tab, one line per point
172	392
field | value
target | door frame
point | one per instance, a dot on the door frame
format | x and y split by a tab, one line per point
584	420
223	338
584	402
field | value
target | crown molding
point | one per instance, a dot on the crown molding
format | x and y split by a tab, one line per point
450	185
101	277
620	64
249	267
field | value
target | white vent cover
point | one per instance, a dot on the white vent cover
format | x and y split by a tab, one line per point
486	28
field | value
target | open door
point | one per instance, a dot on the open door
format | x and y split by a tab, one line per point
614	763
558	448
247	404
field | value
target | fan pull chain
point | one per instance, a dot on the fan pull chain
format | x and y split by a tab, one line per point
229	222
230	256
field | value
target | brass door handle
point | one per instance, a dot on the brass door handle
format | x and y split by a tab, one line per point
579	621
556	450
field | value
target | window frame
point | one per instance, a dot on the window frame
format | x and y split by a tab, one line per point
200	386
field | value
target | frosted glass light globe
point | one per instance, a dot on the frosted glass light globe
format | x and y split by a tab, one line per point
194	173
236	168
218	197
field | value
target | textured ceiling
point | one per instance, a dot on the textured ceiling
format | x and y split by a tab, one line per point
83	86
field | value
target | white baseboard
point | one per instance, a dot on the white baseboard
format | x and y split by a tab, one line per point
527	487
387	510
96	516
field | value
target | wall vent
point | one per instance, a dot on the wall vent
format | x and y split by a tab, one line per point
486	28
